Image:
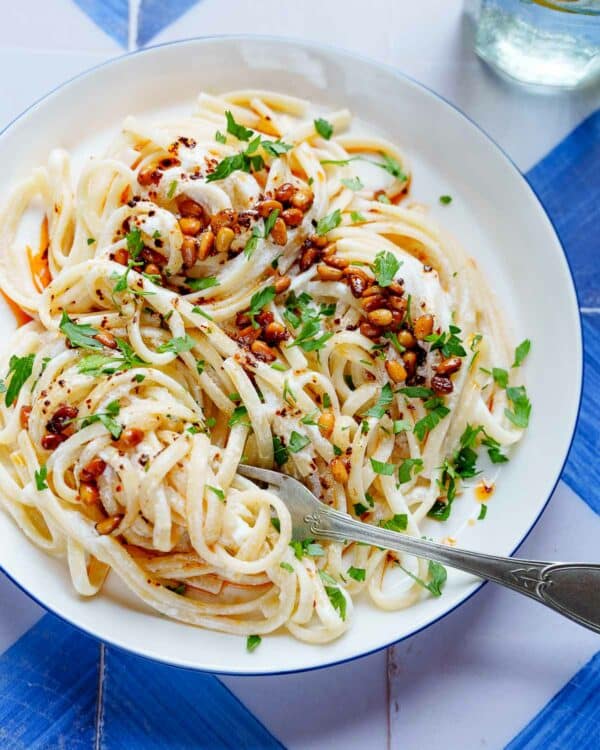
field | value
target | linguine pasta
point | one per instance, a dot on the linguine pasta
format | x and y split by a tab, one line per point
244	285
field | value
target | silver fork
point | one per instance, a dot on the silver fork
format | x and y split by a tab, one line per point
573	589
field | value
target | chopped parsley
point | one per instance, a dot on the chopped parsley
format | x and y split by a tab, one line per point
19	371
333	591
358	574
399	522
401	425
107	418
280	452
253	642
220	137
356	217
482	512
521	352
448	342
264	297
408	468
437	411
379	467
239	417
79	335
445	199
239	131
217	491
329	222
178	344
324	128
416	391
197	285
297	442
386	266
40	478
172	189
276	148
437	578
493	449
385	399
353	184
286	566
500	377
135	243
307	547
521	404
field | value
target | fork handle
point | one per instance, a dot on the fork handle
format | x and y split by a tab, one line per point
573	589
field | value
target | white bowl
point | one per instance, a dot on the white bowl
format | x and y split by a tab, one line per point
494	214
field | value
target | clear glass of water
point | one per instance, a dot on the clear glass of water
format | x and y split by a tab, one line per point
541	42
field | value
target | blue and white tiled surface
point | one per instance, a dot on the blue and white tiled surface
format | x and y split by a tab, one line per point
499	672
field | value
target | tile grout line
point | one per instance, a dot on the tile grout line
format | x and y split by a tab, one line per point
387	697
100	699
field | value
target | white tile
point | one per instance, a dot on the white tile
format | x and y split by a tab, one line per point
481	674
51	25
340	707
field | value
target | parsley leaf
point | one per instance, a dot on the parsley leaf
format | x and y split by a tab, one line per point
197	285
276	148
107	418
324	128
521	406
178	344
40	478
358	574
220	137
79	335
448	342
437	575
416	391
264	297
482	512
392	166
437	412
379	467
445	199
493	449
270	222
354	184
333	591
307	547
399	522
521	352
239	131
329	222
239	417
19	370
286	566
408	468
135	243
253	642
280	452
386	267
385	399
500	377
297	441
217	491
229	165
357	217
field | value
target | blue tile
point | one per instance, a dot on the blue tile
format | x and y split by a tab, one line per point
582	472
48	684
571	721
155	15
112	16
151	706
568	183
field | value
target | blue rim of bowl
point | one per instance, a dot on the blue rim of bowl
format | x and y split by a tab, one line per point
390	68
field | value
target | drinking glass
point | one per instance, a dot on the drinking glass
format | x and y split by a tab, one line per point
544	42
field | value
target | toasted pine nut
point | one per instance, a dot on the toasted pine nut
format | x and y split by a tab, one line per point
225	218
449	366
188	207
370	331
326	423
396	288
398	303
51	441
88	493
92	469
152	269
292	217
396	371
275	332
207	242
189	251
262	351
224	239
264	208
370	291
121	256
303	198
335	262
131	437
108	525
423	326
372	303
279	232
339	471
308	257
24	416
149	175
407	339
319	241
190	225
106	339
380	317
410	362
282	284
357	284
285	192
326	273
